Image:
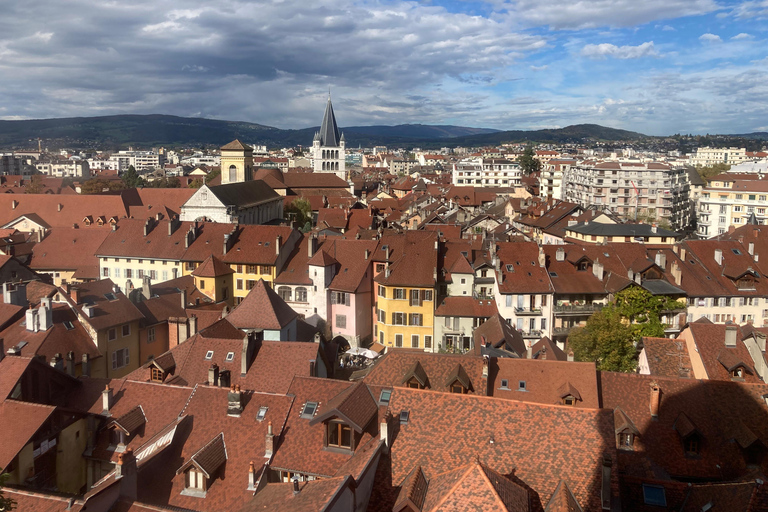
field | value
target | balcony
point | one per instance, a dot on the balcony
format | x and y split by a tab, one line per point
527	311
561	331
534	334
577	309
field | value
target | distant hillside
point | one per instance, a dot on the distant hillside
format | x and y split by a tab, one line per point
112	132
754	135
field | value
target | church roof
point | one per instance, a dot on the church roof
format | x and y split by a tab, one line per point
237	145
329	132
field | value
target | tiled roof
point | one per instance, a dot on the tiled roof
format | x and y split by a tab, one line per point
11	370
236	145
66	248
397	366
262	308
209	458
354	404
499	333
710	343
107	312
59	210
353	265
315	495
413	491
545	349
667	357
498	434
563	500
545	381
19	421
212	267
519	266
131	420
467	307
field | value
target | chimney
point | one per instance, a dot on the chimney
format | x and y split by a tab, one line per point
32	320
386	254
560	254
367	254
71	363
598	270
127	472
719	256
270	442
296	489
106	400
251	477
213	375
183	330
677	273
542	257
655	399
249	345
114	227
147	228
311	245
234	402
384	431
192	325
58	207
751	248
89	310
543	353
14	204
570	355
183	298
57	361
730	335
146	287
278	241
74	293
85	367
661	260
225	247
654	228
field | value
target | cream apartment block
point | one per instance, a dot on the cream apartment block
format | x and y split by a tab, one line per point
632	188
731	200
487	172
551	177
712	156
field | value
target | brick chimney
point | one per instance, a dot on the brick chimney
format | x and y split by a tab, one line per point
106	401
385	431
234	402
270	442
213	375
74	293
85	365
655	400
71	363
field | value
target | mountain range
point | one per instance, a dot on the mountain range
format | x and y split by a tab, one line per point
121	131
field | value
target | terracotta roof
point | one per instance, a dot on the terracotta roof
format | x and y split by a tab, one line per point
131	420
355	405
73	209
19	422
710	343
667	357
107	312
66	248
563	500
545	349
315	495
209	458
262	308
322	259
413	491
11	370
397	366
467	307
212	267
499	333
236	145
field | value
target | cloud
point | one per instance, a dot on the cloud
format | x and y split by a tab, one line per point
710	38
604	50
667	28
538	68
598	13
743	36
751	9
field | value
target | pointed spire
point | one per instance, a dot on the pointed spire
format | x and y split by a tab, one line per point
329	132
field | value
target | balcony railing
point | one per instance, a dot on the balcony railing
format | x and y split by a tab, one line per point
527	311
577	309
532	334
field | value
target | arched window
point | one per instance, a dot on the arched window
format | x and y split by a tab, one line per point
232	173
337	153
284	292
337	166
301	294
323	165
323	154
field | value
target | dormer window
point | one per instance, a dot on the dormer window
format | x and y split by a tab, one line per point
569	400
415	384
196	480
582	265
158	375
339	434
737	373
458	388
691	445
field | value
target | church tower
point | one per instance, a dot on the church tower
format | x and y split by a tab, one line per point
236	162
328	147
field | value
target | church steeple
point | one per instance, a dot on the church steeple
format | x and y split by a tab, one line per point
329	133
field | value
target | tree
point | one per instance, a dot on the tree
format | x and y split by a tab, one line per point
171	182
610	336
6	504
196	183
301	211
131	178
100	185
211	175
606	341
35	185
528	161
708	172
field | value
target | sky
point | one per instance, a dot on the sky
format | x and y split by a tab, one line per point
658	67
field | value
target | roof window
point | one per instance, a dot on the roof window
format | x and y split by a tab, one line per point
69	325
553	274
386	394
230	356
504	384
262	413
110	296
522	386
309	410
404	416
654	495
209	355
736	252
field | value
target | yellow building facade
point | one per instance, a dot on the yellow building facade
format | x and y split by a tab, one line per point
405	316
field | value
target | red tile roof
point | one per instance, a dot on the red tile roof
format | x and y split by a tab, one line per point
66	248
19	422
262	308
667	357
212	267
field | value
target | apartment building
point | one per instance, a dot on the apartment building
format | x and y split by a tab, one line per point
711	156
732	200
657	190
139	159
551	177
486	172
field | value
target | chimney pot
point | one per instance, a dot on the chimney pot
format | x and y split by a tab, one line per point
106	400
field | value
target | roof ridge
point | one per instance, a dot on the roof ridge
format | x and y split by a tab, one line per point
450	491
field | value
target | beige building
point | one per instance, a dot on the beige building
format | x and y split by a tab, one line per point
236	162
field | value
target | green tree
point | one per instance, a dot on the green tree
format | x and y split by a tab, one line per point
35	185
301	211
6	504
196	183
131	178
528	161
100	185
171	182
710	171
211	175
610	336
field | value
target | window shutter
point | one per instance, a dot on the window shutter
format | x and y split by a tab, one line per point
333	297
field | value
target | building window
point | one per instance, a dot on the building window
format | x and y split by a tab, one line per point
456	387
339	434
112	334
128	273
265	271
399	340
414	341
522	386
249	284
301	294
626	441
504	384
157	374
398	318
691	445
428	295
399	294
105	272
284	292
341	321
120	358
252	269
195	480
415	301
427	341
382	292
654	495
416	319
239	284
202	284
341	298
150	335
126	330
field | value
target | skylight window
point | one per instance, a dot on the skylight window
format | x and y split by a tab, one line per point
69	325
209	355
110	296
386	394
309	410
654	495
404	416
553	274
736	252
510	268
230	356
262	413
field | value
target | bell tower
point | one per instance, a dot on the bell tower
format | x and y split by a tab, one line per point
236	162
329	146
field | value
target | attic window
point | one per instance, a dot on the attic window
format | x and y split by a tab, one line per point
569	400
736	252
110	296
404	416
209	355
521	386
262	413
230	356
504	384
69	325
510	268
654	495
308	412
553	274
384	247
386	394
464	253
